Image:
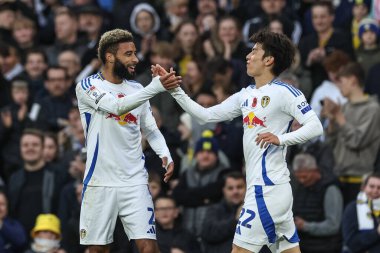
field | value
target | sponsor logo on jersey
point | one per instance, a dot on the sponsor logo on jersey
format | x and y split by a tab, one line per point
304	107
127	118
251	120
265	101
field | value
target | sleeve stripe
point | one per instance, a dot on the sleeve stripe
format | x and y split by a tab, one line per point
82	84
293	90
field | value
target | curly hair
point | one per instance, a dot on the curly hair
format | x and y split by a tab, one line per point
278	46
109	42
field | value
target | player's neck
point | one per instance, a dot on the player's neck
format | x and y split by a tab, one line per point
263	79
109	76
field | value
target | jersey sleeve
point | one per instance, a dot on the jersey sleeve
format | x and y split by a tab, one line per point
94	96
295	105
153	135
227	110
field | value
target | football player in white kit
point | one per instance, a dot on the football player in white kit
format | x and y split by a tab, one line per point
268	108
113	109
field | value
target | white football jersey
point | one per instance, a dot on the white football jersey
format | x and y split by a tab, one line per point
270	108
114	152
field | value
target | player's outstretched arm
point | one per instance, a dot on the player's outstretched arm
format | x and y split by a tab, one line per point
227	110
97	98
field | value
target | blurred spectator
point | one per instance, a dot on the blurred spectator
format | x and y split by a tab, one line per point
69	212
33	189
361	229
220	225
24	32
34	69
328	88
273	9
10	65
167	224
56	105
186	45
145	23
368	54
7	18
353	130
185	244
321	150
200	185
372	83
66	32
51	148
46	235
92	22
226	41
5	88
12	234
359	11
176	12
193	80
14	119
162	54
317	208
154	184
375	11
70	60
316	46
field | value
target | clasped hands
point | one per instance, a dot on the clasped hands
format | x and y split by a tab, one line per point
168	79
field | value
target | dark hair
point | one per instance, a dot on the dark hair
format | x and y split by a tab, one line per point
353	69
165	197
109	42
55	67
334	61
325	3
278	46
35	51
233	174
34	132
371	175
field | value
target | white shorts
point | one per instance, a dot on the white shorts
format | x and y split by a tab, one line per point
266	217
102	205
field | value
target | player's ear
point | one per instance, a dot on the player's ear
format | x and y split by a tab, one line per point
269	60
110	57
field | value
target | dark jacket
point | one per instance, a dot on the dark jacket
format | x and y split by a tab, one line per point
12	236
197	190
219	228
355	241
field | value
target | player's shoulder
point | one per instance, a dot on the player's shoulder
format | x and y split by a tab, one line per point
134	84
286	88
89	81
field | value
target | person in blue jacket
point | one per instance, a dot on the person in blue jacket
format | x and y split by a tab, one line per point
12	234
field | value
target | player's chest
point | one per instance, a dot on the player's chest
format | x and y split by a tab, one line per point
259	108
128	119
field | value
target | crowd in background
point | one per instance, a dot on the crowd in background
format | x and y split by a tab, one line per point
47	46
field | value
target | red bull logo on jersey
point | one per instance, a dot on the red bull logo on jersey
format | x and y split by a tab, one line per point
251	120
127	118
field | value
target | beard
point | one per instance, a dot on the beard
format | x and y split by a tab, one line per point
122	71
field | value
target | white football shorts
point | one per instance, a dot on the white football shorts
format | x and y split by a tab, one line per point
266	218
102	205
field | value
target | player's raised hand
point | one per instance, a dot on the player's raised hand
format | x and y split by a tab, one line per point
265	139
169	169
170	80
158	70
